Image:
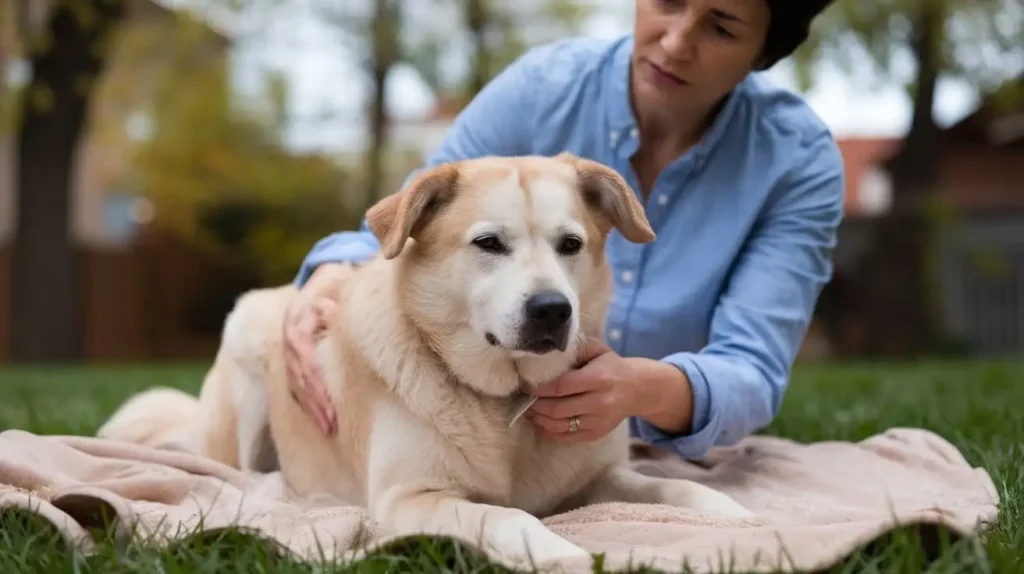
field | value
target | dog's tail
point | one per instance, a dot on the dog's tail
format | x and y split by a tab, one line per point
160	417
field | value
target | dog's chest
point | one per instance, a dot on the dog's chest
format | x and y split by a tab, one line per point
547	474
535	474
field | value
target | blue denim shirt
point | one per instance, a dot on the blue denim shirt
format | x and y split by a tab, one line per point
746	224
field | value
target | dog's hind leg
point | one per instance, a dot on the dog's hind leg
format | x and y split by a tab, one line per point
160	417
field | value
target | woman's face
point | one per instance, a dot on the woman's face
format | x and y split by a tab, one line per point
688	54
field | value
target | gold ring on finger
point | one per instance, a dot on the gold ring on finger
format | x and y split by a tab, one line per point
574	424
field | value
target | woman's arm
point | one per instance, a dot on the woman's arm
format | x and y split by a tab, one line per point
737	381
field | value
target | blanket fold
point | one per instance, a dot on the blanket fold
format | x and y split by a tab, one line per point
815	504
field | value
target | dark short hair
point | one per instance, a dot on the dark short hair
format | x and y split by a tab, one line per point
789	27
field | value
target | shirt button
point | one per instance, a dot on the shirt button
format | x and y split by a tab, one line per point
614	334
634	133
627	276
662	199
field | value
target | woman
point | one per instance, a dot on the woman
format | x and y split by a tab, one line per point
741	182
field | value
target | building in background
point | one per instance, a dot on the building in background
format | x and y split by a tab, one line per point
980	248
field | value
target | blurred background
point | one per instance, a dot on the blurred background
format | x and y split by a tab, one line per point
159	157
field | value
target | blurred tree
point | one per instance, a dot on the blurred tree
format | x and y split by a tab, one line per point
219	174
517	28
375	37
976	40
65	59
383	34
479	16
498	33
386	41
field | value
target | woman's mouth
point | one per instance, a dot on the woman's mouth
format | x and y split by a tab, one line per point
662	76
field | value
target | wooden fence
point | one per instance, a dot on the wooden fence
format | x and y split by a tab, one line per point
156	300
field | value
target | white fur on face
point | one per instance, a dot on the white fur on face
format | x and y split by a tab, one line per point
530	229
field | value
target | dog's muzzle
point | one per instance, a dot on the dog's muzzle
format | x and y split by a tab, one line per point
546	319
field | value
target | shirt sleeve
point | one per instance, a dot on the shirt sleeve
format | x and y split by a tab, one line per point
761	319
497	122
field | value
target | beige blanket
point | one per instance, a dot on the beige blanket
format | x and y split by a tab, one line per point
815	504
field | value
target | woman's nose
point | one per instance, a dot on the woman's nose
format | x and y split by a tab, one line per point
680	36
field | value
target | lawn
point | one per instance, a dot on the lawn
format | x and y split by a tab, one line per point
975	405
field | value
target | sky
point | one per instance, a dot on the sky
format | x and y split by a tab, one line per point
328	91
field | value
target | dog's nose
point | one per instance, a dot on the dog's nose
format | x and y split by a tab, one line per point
548	311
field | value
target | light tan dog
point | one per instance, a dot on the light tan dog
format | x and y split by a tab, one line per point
492	272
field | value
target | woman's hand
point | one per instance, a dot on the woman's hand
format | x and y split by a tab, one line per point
605	389
305	323
600	392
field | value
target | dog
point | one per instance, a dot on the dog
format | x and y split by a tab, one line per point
491	275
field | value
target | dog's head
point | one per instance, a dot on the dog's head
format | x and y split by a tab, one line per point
503	258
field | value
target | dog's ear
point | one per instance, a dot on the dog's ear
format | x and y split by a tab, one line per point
397	217
607	192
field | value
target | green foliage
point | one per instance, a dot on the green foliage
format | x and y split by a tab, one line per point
1009	96
11	50
217	171
510	29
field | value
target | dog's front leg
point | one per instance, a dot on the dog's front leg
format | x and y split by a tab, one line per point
622	484
256	449
508	533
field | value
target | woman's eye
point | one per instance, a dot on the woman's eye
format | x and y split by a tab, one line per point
723	32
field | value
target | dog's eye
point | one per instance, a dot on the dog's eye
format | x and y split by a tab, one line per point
490	244
570	245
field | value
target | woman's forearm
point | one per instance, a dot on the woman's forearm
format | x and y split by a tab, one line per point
665	398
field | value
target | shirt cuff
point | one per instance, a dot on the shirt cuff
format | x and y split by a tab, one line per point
703	430
332	250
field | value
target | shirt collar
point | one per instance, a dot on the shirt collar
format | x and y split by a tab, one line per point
622	120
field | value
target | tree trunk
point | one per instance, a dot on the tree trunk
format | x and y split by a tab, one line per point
895	279
385	54
477	18
45	273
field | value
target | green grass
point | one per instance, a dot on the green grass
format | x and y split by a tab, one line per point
975	405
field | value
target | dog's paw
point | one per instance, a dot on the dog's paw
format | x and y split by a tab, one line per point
701	498
720	504
527	543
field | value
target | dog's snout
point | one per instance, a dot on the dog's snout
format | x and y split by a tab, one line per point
547	319
549	310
